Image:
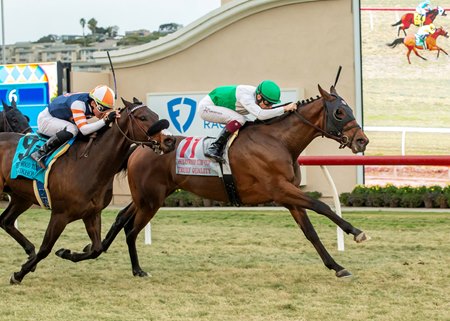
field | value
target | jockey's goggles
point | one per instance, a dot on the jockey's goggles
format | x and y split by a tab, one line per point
101	108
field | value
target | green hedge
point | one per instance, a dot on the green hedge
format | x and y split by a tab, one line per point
392	196
181	198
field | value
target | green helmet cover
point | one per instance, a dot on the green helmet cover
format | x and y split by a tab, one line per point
269	91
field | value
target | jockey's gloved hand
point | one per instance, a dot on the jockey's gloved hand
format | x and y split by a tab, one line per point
110	118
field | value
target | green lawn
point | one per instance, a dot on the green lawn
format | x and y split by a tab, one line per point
232	265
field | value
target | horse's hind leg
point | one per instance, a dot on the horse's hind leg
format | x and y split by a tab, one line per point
122	218
92	224
302	219
17	206
55	227
417	54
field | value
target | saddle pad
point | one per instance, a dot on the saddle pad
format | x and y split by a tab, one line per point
191	159
26	167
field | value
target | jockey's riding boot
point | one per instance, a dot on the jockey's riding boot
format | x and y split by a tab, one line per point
215	150
50	145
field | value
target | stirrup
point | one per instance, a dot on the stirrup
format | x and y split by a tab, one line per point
40	159
217	158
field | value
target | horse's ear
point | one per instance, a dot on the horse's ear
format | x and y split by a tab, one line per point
6	107
13	103
333	90
126	103
137	101
324	94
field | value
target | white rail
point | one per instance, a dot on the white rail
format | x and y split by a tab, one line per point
404	130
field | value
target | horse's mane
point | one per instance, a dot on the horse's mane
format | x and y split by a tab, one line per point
300	104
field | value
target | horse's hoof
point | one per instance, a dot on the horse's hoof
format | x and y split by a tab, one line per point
13	280
361	237
63	253
343	274
140	273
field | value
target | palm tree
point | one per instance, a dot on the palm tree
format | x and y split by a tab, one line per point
83	24
92	25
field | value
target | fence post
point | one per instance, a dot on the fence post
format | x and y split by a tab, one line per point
337	206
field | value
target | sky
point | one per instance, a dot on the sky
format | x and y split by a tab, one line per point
29	20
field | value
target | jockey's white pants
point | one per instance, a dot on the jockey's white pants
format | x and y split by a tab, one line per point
49	125
217	114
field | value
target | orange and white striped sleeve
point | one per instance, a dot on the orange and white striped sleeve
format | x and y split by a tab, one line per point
78	109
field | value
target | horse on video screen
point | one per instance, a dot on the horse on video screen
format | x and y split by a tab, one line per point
408	19
263	160
80	181
12	119
410	43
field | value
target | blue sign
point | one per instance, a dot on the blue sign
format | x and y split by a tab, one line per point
174	106
32	86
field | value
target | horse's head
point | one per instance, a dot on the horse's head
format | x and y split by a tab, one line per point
441	32
14	120
440	11
141	125
340	123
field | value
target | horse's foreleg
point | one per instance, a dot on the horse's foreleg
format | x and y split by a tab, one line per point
92	224
16	207
55	227
289	194
132	229
302	219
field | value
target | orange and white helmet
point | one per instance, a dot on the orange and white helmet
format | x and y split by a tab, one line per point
103	95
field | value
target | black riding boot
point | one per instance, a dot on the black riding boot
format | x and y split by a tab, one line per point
215	150
51	145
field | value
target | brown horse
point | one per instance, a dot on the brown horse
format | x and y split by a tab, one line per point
80	185
408	19
263	159
410	43
12	119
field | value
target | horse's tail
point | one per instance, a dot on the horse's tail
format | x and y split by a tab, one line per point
397	23
123	168
395	42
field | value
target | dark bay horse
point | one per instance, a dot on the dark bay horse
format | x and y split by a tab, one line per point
12	119
410	43
408	19
80	185
263	159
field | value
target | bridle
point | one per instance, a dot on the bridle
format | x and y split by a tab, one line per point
152	143
333	124
7	127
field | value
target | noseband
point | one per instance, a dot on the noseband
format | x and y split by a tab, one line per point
333	124
153	144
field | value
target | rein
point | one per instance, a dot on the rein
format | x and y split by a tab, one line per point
342	139
152	143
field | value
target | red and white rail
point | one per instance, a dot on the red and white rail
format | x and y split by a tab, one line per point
323	161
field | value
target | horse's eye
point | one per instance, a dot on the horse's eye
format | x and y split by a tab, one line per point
143	118
339	114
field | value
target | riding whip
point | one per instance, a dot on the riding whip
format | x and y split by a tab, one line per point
114	75
337	76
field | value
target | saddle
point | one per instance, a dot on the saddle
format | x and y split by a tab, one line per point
191	160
